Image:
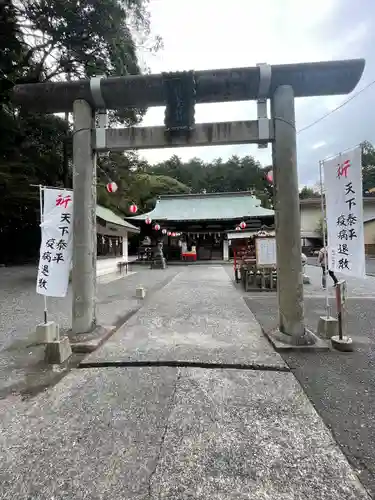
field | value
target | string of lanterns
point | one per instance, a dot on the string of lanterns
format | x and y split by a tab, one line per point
112	188
241	226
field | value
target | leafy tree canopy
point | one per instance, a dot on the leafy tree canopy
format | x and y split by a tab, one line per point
45	40
308	192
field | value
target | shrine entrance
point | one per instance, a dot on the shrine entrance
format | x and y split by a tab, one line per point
180	92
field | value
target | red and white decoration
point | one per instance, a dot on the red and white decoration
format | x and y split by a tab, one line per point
243	225
173	235
133	208
157	227
164	231
269	176
169	233
148	220
111	187
238	228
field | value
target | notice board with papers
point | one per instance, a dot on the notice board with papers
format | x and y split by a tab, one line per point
265	251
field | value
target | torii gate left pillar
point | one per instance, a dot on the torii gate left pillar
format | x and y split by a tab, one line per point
84	220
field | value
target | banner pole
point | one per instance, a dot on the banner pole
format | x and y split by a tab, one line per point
41	191
324	229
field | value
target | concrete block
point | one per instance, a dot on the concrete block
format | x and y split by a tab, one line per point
327	327
344	345
140	292
47	332
306	280
58	351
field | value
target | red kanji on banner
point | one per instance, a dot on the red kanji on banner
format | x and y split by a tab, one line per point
60	201
342	169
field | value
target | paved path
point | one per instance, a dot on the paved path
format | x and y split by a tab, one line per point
193	319
152	432
341	386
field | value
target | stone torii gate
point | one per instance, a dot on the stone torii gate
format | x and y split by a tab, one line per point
179	92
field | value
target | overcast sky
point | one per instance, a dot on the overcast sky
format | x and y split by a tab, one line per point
210	34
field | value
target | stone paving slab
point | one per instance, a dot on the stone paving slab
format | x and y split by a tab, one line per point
96	435
198	317
151	433
249	435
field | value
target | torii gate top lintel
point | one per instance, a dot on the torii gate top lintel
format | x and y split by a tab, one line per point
222	85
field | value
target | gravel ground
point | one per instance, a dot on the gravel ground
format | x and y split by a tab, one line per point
21	309
341	386
370	264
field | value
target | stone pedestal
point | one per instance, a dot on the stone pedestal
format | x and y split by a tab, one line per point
58	351
306	279
46	332
140	292
327	327
344	345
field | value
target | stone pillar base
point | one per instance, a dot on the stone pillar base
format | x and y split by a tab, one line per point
58	351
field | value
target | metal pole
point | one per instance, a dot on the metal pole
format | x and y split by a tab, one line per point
324	229
287	216
339	310
41	200
84	220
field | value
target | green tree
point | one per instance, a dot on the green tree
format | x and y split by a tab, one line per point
235	174
135	183
308	192
41	41
368	166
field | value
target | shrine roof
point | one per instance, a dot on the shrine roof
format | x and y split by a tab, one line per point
109	216
209	206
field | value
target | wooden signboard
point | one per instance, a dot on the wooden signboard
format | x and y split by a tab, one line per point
265	249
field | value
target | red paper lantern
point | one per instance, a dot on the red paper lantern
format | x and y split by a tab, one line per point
243	225
173	234
111	187
238	228
164	231
269	176
157	227
169	233
148	220
133	208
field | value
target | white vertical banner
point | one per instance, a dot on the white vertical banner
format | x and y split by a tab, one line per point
344	209
57	243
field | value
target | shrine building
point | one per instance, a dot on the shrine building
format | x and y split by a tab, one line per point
202	226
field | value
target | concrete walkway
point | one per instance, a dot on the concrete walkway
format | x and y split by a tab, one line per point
182	432
197	318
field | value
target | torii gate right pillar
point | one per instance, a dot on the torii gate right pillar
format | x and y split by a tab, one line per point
287	217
